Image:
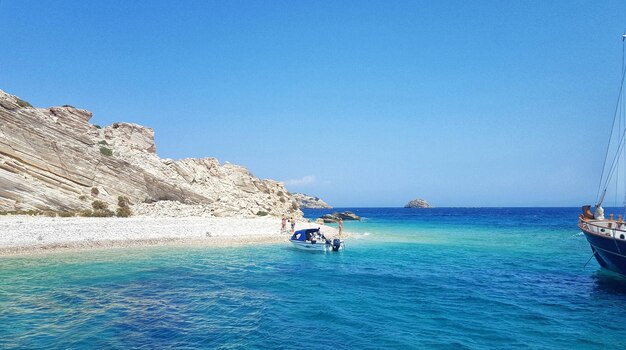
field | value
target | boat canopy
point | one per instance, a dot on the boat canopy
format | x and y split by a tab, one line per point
304	235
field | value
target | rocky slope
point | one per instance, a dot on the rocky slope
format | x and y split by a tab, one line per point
53	158
418	203
306	201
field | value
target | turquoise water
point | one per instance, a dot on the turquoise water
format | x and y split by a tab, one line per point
439	278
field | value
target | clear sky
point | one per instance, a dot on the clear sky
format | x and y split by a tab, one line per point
363	103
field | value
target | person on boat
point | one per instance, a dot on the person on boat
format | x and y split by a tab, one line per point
321	235
283	224
598	213
340	226
586	212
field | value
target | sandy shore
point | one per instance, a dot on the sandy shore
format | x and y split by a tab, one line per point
35	234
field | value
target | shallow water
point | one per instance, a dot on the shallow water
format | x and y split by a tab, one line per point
448	278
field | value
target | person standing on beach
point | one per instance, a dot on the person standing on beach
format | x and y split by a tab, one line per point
340	226
293	225
283	224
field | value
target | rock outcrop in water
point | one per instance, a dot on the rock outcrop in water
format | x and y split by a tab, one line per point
334	217
54	159
418	203
306	201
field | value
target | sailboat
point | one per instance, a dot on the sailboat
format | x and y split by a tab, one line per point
607	236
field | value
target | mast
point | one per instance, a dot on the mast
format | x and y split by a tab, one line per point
622	126
621	139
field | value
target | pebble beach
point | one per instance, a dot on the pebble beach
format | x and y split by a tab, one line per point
37	234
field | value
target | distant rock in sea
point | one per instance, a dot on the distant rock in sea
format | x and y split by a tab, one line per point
345	215
308	202
418	203
55	159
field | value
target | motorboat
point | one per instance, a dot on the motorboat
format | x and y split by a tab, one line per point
312	239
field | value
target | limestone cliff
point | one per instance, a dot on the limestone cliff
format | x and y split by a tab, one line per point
53	158
306	201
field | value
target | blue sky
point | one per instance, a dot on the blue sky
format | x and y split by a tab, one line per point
364	103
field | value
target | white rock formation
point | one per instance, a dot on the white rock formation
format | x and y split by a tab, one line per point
418	203
306	201
53	158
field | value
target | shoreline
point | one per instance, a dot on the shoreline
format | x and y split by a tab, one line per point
34	235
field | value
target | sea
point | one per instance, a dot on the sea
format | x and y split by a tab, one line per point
441	278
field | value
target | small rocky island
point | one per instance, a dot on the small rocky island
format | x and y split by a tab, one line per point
418	203
309	202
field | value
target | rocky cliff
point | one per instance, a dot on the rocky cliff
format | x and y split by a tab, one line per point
53	158
306	201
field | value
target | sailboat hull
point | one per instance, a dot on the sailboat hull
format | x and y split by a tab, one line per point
608	250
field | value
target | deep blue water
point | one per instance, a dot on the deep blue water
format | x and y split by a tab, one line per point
409	278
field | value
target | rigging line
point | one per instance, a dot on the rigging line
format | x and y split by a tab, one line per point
623	181
616	245
621	155
621	88
619	123
614	163
588	260
606	154
623	123
610	176
619	127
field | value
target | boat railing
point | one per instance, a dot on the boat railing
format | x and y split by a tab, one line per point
610	228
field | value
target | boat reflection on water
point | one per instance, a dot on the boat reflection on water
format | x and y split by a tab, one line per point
608	282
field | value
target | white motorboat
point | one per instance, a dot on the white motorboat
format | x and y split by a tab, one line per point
312	239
